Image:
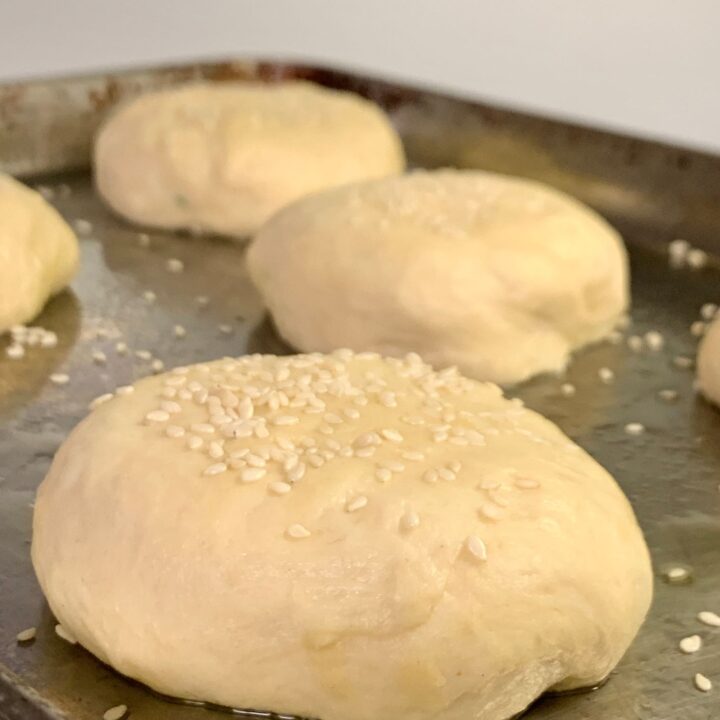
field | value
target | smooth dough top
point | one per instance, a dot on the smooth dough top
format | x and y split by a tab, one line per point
224	157
708	363
38	252
500	276
342	537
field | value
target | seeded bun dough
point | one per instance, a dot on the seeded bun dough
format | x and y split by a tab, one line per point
340	537
38	253
708	363
500	276
224	157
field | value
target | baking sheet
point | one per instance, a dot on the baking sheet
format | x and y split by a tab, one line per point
671	472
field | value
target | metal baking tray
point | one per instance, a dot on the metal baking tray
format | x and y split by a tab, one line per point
653	193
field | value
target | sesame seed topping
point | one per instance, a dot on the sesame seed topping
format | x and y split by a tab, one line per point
708	311
634	428
215	450
677	574
683	362
392	435
527	483
278	487
703	683
696	259
567	389
446	474
27	635
430	476
205	428
635	343
697	328
225	329
174	265
202	301
356	504
149	297
15	351
296	473
157	416
709	618
409	521
654	340
606	375
116	713
59	379
101	400
121	348
668	395
476	548
252	474
383	474
99	357
157	365
286	420
490	511
298	532
194	442
62	632
413	456
215	469
691	644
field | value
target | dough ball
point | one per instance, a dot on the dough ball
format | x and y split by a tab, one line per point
708	363
500	276
351	538
224	157
38	253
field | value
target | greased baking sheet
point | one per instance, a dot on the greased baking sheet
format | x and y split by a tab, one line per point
652	193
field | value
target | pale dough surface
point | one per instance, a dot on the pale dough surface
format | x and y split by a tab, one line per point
708	363
224	157
193	583
38	252
500	276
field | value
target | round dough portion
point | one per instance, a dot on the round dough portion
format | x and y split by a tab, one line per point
224	157
500	276
38	253
351	538
708	363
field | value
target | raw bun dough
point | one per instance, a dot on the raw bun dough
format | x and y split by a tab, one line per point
377	540
708	363
38	253
500	276
224	157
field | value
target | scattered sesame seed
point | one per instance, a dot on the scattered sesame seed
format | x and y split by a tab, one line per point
635	343
527	483
82	227
278	487
194	442
179	331
157	365
356	504
215	469
174	431
392	435
708	311
490	511
683	362
697	329
677	574
703	683
383	474
298	532
696	258
100	400
27	635
678	250
286	420
205	428
691	644
606	375
116	713
15	351
157	416
225	329
59	378
430	476
149	297
215	450
409	521
476	547
125	390
143	240
252	474
121	348
65	634
567	389
143	354
634	428
174	265
202	300
668	395
654	340
413	456
709	618
99	357
446	474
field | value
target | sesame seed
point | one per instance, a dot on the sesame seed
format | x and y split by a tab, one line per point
298	532
149	297
170	406
174	431
708	311
606	375
332	418
366	440
59	379
205	428
82	226
194	442
351	413
678	250
654	340
476	547
179	331
99	357
157	365
356	504
567	389
15	351
392	435
440	437
286	420
527	484
682	362
635	343
393	466
388	399
634	428
691	644
413	456
169	392
677	574
278	487
215	469
215	450
27	635
255	460
696	258
252	474
225	329
490	511
174	265
143	240
668	395
157	416
383	474
703	683
202	300
101	400
430	476
296	473
116	713
409	521
446	474
121	348
697	329
709	618
65	634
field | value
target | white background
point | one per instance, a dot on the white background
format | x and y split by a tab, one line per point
650	67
